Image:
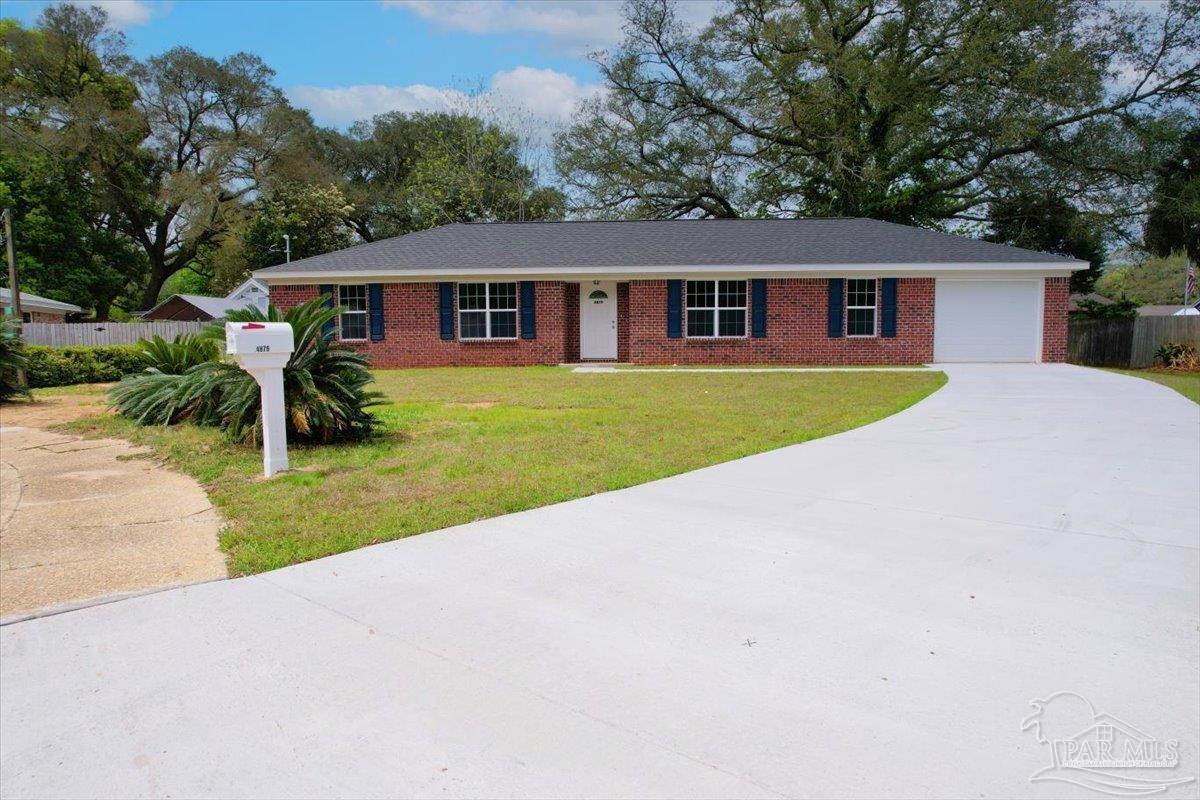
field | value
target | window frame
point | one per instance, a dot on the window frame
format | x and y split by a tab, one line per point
846	308
365	313
717	308
487	311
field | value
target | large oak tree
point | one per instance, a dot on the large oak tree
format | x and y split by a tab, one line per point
914	111
173	147
406	172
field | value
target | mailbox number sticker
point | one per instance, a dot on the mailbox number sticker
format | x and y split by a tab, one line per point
263	348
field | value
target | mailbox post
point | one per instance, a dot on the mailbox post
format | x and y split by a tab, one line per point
263	349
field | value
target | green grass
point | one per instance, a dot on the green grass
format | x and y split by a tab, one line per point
1186	383
464	444
77	389
685	367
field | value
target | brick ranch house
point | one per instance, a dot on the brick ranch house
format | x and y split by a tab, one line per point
39	309
801	291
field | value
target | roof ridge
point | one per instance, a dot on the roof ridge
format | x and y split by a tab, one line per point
600	221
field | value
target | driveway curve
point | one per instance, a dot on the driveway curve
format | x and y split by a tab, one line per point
869	614
87	520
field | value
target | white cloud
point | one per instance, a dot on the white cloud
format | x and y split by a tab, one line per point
345	104
544	94
126	13
524	96
578	25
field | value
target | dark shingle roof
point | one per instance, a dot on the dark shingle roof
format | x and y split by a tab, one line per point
565	246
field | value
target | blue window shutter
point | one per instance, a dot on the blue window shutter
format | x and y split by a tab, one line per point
326	291
446	310
375	310
758	308
674	309
887	326
837	289
528	311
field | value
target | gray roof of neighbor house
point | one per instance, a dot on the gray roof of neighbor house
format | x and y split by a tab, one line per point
1095	297
1164	310
215	307
31	302
625	245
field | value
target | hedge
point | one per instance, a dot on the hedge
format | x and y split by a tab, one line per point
64	366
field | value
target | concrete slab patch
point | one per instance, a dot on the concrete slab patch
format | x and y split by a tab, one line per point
83	520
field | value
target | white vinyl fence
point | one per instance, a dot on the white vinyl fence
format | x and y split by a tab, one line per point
69	334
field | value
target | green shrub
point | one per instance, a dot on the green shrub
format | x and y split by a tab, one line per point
12	359
1177	355
1118	309
324	384
159	394
65	366
178	356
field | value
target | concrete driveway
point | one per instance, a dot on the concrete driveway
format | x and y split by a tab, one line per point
86	519
866	615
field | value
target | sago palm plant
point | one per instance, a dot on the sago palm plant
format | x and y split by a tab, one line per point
160	394
12	360
324	384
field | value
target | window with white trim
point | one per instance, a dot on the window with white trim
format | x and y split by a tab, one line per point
716	308
352	321
487	310
861	298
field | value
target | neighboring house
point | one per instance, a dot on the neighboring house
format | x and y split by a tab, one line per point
1094	297
1169	310
806	291
39	309
200	307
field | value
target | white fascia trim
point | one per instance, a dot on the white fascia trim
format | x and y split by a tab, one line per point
1047	269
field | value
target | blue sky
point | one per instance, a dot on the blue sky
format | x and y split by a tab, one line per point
348	59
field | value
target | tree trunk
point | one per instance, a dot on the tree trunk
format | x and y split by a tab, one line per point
154	283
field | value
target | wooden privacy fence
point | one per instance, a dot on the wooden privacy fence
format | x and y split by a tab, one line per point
70	334
1127	342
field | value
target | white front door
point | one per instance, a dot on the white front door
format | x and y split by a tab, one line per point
598	319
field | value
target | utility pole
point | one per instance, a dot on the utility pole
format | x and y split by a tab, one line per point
14	288
287	249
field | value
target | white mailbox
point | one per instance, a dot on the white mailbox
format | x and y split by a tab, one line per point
263	349
259	344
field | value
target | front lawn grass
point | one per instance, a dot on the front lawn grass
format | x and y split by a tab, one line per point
1186	383
462	444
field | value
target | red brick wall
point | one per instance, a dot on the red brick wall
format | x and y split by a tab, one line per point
287	297
622	322
46	316
796	329
1054	319
412	332
571	334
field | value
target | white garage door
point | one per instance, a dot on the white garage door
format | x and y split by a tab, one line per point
987	320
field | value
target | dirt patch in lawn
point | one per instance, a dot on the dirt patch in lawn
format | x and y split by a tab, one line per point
46	410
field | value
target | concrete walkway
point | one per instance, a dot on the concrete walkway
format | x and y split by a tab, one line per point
88	519
865	615
635	370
